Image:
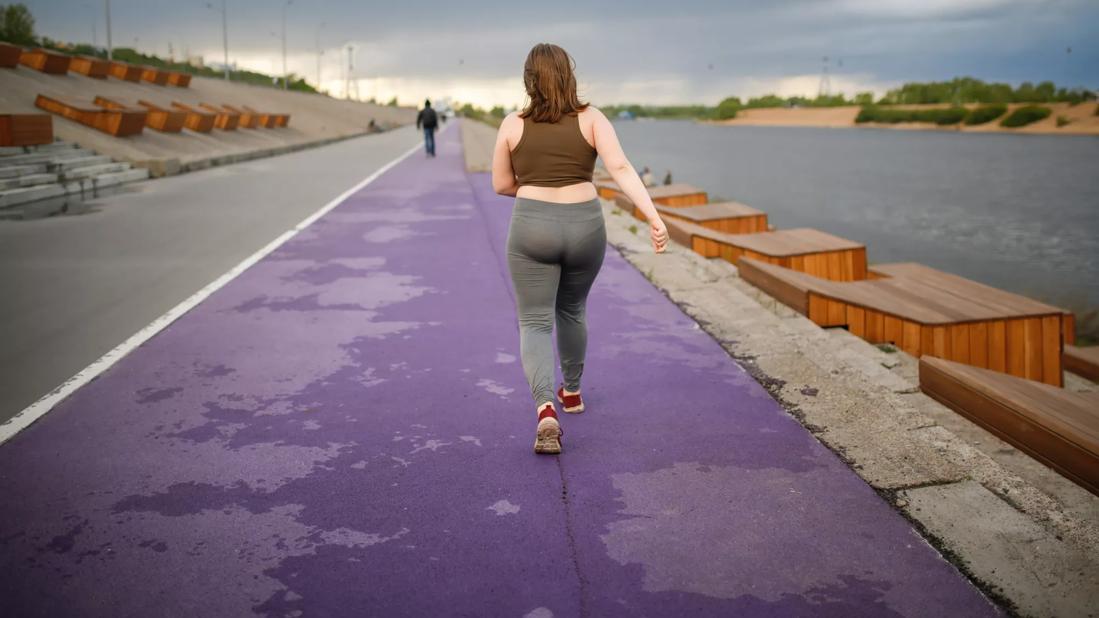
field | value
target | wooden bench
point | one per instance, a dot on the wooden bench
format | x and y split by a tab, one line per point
804	250
199	121
226	120
25	129
728	217
925	311
124	71
154	75
669	195
90	66
263	119
1057	427
9	55
178	79
248	120
156	117
45	61
1083	361
118	123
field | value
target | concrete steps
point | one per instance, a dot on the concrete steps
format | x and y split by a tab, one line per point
57	178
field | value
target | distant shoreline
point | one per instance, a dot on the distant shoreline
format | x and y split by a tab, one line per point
1082	119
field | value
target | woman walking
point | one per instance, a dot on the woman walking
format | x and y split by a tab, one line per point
544	157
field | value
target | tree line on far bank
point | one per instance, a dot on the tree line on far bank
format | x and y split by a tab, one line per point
956	93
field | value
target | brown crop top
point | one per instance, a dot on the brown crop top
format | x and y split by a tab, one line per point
553	154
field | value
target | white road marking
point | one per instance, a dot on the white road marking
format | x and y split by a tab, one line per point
39	408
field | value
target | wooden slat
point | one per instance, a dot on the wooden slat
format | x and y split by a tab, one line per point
25	129
1082	361
1054	426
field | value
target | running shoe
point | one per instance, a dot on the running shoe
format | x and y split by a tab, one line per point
548	439
572	404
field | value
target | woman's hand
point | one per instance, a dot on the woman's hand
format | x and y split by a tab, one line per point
659	234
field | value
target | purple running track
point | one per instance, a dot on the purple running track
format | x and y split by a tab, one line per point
345	430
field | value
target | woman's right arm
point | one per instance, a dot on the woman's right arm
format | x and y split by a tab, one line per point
619	167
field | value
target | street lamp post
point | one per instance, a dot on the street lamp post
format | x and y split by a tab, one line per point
320	52
285	75
110	52
224	33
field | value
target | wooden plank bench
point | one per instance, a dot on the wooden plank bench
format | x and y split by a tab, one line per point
263	119
118	123
154	75
179	79
9	55
924	311
728	217
248	120
802	249
25	129
45	61
90	66
163	120
1082	361
225	120
124	71
1057	427
678	194
198	120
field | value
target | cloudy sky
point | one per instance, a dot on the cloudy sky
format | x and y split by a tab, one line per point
682	51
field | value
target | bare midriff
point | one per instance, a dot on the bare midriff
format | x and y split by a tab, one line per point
579	192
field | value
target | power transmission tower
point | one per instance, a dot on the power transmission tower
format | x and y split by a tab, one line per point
825	88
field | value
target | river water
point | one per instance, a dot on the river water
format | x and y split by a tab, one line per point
1018	212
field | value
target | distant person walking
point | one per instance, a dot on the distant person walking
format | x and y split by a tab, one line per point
429	120
647	176
668	178
544	156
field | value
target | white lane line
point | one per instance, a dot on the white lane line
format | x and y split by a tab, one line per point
39	408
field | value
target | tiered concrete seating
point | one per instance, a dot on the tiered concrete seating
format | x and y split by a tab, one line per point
164	120
199	121
45	61
9	55
90	66
926	311
25	129
225	119
1054	426
38	181
116	122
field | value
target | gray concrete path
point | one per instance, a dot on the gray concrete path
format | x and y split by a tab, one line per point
74	287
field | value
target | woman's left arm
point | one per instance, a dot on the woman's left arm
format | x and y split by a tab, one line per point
503	176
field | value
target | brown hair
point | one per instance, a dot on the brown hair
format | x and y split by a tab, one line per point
550	83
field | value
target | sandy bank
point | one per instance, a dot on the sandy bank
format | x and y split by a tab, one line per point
1082	119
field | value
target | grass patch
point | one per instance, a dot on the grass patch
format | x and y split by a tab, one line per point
887	348
633	229
985	113
1025	115
1062	121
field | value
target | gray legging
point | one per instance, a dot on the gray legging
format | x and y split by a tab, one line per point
554	253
